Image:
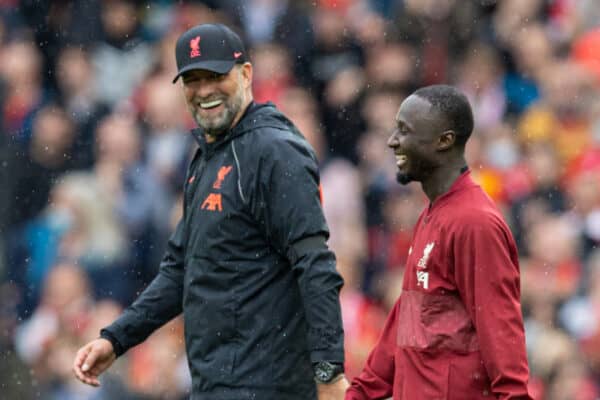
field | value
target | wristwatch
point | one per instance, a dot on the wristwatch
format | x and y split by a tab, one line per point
326	372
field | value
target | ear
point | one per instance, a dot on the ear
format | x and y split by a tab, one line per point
446	140
247	73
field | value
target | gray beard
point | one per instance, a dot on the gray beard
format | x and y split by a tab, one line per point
216	128
224	122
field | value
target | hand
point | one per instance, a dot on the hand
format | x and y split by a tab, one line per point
93	359
332	391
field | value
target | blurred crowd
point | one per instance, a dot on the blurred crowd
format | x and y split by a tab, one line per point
94	144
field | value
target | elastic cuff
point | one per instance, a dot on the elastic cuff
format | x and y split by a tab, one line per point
331	355
117	348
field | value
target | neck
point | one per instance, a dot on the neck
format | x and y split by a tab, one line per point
440	181
210	138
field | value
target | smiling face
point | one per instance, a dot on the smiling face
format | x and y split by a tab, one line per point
415	140
217	101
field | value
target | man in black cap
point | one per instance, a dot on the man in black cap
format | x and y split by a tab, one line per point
248	264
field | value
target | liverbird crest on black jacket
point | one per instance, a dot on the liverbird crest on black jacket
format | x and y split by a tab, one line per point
248	267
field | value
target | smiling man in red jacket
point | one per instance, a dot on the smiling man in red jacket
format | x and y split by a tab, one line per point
456	332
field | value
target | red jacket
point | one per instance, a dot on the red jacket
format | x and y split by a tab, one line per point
456	332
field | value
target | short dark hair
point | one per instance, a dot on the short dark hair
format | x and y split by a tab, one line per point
453	105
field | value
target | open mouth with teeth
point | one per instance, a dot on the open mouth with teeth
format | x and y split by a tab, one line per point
401	160
209	105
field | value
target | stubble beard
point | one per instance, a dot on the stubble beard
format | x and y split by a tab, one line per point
417	171
404	178
221	123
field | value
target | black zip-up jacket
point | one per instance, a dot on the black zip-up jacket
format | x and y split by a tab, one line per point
249	267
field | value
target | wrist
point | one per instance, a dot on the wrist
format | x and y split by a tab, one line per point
117	348
335	379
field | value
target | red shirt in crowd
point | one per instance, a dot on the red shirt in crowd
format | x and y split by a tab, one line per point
456	332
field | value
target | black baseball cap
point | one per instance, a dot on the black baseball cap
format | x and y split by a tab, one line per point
213	47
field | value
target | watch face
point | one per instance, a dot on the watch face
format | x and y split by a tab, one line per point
324	371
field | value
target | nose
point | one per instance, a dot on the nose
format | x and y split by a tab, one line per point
393	141
201	87
206	87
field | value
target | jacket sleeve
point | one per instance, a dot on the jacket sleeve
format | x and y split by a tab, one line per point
160	302
487	276
377	377
295	225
